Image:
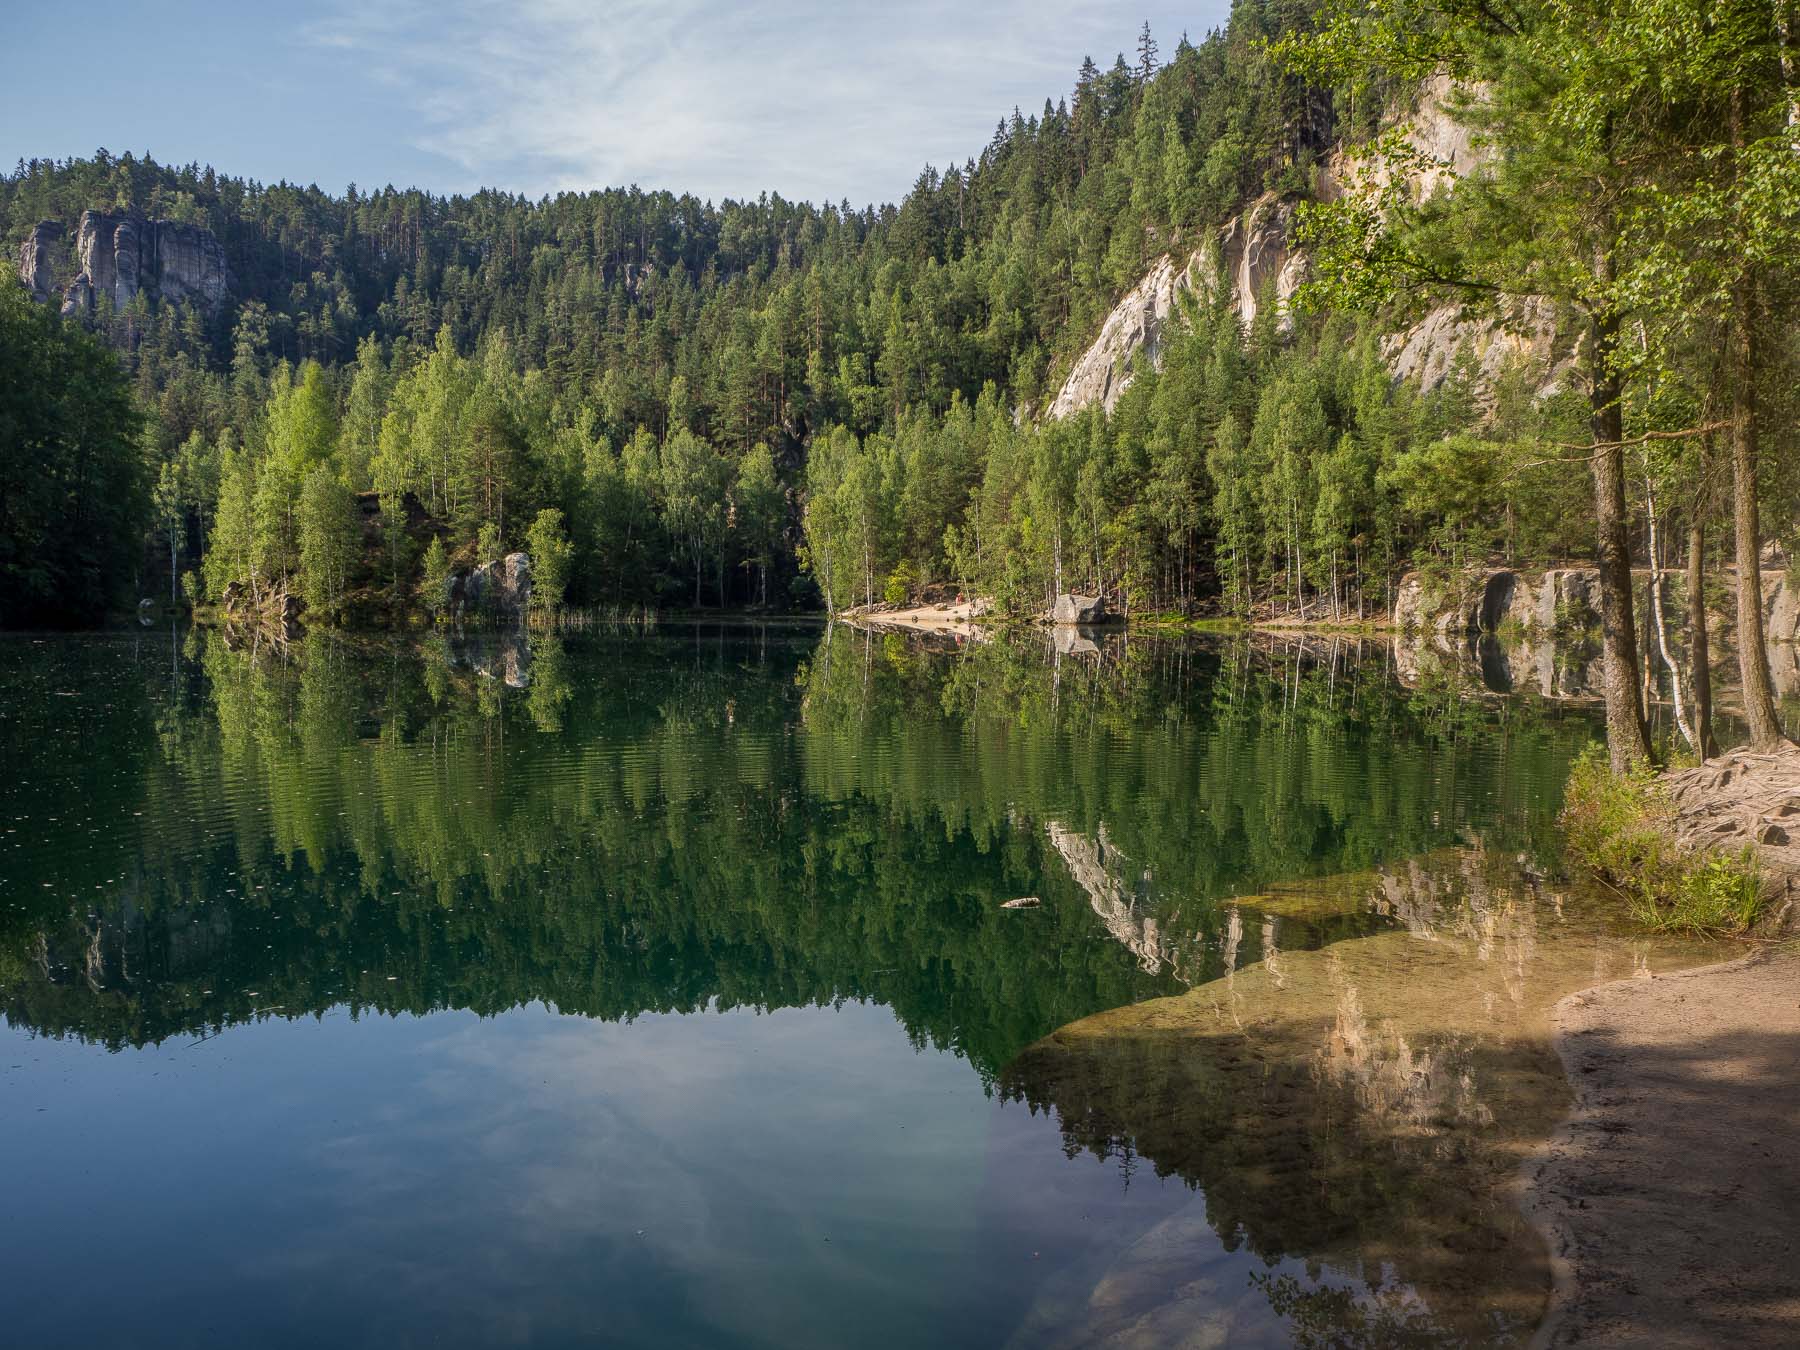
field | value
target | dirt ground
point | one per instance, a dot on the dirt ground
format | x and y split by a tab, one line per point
1672	1196
949	617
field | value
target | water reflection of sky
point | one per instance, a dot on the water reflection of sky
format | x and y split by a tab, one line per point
797	1178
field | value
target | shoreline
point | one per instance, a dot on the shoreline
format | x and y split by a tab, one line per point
1666	1197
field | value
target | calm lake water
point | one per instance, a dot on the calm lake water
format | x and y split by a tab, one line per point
657	990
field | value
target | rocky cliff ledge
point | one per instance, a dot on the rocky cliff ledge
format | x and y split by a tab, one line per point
119	256
1256	260
1250	258
1484	599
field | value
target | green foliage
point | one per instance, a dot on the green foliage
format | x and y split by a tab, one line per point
548	546
467	353
434	579
488	545
1620	829
775	403
898	587
73	483
330	534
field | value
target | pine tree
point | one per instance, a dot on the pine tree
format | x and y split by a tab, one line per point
1146	50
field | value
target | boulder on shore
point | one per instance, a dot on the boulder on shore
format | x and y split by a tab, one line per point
1079	609
499	587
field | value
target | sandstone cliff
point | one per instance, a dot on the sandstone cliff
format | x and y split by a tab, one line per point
1254	259
1250	258
121	256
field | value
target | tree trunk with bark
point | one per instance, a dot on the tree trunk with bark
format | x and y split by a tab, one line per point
1626	739
1699	653
1753	654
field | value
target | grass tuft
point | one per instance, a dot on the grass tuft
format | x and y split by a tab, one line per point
1621	831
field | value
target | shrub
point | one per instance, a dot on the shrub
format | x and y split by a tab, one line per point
1620	830
899	584
488	545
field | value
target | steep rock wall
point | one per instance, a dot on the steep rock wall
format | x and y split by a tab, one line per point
39	259
1251	258
1135	326
119	256
1255	259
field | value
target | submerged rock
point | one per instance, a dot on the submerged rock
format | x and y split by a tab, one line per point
1361	1107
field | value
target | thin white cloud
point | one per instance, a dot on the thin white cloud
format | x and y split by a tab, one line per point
814	100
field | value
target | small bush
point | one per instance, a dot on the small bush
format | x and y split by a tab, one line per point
1620	830
899	585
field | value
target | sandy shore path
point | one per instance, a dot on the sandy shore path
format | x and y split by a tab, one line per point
962	616
1673	1194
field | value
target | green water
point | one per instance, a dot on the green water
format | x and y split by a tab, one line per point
656	989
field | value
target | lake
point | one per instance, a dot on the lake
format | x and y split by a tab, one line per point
660	989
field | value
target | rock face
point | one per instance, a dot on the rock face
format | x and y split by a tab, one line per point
1781	608
502	587
1485	600
38	257
1079	609
119	256
1256	260
1251	257
1429	350
1134	327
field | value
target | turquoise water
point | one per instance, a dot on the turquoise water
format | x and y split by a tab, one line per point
657	989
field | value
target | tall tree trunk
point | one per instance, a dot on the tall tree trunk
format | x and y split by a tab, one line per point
1753	656
1699	656
1625	736
1658	624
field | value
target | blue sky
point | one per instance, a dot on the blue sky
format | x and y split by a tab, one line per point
815	100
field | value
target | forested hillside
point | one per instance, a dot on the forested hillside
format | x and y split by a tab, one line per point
679	402
552	333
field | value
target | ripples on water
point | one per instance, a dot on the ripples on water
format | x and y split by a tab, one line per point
658	991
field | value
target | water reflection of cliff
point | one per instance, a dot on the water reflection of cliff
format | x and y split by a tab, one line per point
1363	1107
1566	668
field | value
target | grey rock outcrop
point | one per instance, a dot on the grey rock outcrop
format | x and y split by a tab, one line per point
499	587
1251	258
1781	608
1257	260
1133	331
1485	600
38	259
1429	350
1079	609
121	256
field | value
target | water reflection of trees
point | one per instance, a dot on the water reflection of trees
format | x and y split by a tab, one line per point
629	825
